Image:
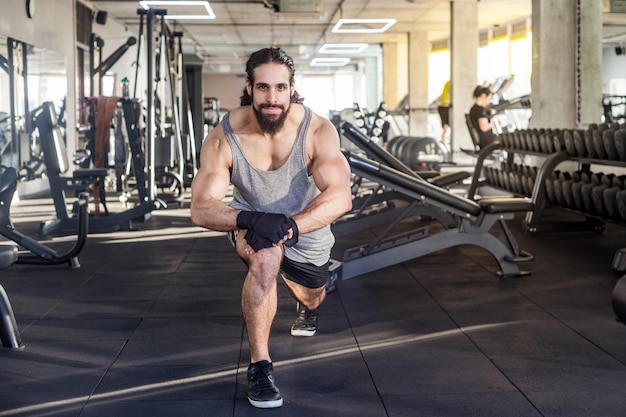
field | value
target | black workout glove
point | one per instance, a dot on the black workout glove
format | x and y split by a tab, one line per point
256	241
294	229
272	226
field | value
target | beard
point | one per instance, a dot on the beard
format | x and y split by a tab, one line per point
271	123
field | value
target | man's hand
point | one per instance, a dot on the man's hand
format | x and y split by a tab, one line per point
270	226
256	241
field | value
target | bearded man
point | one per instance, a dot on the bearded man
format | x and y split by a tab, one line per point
290	182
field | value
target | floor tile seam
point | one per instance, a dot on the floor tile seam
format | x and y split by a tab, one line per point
101	379
361	353
67	297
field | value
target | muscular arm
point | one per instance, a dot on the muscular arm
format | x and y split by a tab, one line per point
210	185
331	173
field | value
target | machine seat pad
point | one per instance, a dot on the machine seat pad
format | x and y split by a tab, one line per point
90	173
494	205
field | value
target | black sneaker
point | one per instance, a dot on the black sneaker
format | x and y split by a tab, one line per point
306	322
262	391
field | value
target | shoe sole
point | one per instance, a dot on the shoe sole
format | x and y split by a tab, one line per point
266	404
305	333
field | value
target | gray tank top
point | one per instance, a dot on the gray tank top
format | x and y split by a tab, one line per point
287	190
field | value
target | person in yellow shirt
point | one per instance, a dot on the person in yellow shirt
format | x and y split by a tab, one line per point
444	110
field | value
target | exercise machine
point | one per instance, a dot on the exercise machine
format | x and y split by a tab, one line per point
33	252
88	179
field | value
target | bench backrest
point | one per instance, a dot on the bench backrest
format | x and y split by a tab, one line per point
417	188
51	140
472	131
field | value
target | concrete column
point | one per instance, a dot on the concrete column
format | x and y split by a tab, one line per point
590	70
464	68
567	63
419	48
395	71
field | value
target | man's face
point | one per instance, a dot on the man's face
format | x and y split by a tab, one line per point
271	96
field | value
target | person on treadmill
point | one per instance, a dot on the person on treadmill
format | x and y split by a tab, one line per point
290	182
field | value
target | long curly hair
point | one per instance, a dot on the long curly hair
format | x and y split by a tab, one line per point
265	56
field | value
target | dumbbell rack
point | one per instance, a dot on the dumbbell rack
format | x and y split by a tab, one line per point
597	197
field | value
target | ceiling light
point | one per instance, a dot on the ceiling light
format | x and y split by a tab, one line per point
329	62
363	25
342	48
204	9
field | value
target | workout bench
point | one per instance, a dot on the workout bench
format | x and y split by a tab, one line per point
376	206
476	219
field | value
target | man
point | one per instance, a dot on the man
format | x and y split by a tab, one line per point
290	182
479	116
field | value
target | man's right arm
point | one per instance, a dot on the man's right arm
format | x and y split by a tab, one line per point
210	185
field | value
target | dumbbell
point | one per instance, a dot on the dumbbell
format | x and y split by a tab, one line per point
504	176
610	197
598	141
608	142
589	148
506	140
558	142
517	184
535	146
587	190
597	194
620	143
528	180
528	141
577	195
568	141
549	185
620	198
579	143
551	134
517	139
490	175
544	139
566	190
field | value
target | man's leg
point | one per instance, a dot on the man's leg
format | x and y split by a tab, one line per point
258	303
307	285
259	296
311	298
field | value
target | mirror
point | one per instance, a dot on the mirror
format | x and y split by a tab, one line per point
29	76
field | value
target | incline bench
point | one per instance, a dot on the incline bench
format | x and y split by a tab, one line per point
361	219
475	222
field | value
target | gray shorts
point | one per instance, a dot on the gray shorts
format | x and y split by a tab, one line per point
305	274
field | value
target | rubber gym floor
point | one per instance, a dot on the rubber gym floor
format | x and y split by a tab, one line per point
151	325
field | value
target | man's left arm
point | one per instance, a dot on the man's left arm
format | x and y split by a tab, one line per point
331	173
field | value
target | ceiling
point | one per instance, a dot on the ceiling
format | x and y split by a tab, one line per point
302	26
243	26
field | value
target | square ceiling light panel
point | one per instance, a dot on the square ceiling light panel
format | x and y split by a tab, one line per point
329	62
342	48
363	25
182	10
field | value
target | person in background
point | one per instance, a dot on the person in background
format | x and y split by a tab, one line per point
479	116
290	182
444	110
